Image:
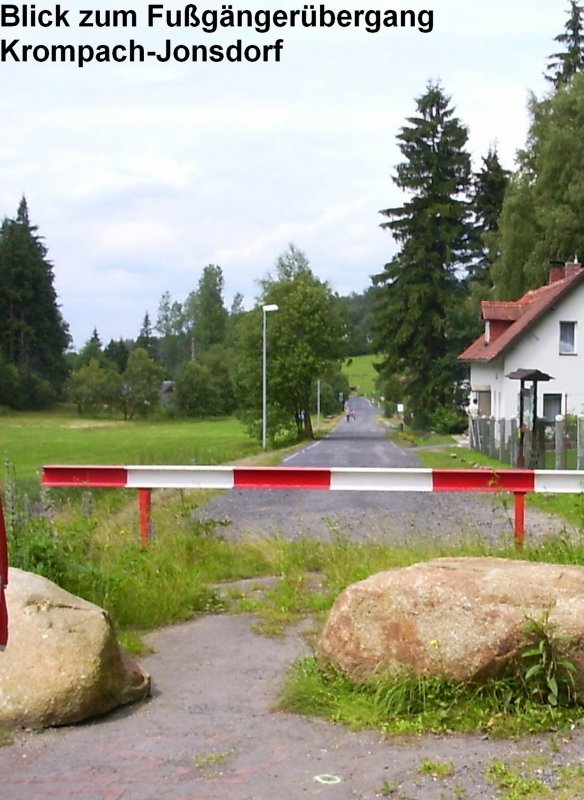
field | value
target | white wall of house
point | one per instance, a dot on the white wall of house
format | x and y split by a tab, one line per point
539	349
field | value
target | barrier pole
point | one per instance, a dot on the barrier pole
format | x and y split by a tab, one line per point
519	518
145	505
3	580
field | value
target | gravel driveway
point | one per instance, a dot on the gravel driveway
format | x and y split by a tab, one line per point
367	516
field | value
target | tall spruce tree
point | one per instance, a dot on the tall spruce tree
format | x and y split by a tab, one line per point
569	61
489	186
421	285
146	339
33	334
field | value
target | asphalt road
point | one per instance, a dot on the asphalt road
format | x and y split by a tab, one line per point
367	516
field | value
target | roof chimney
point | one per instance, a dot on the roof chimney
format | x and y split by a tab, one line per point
557	271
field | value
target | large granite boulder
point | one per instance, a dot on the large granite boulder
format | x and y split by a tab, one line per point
461	619
62	663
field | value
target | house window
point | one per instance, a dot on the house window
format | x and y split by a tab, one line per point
484	400
567	338
552	406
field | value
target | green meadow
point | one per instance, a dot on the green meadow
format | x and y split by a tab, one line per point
27	441
361	374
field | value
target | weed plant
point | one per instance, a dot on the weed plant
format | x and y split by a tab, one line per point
415	705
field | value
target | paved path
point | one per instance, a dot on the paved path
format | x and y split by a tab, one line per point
209	732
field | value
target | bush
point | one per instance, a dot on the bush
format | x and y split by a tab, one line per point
448	420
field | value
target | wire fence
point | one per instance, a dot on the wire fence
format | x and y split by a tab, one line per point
554	445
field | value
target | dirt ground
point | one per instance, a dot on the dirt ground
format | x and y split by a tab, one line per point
210	731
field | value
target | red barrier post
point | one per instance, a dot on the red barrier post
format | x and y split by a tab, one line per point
3	580
519	518
145	504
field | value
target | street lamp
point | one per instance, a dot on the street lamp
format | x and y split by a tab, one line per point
266	310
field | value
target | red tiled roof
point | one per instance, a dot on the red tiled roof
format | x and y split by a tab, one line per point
527	310
493	310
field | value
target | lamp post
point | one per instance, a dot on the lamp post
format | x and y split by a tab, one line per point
266	309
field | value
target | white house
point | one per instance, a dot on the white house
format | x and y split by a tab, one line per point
543	330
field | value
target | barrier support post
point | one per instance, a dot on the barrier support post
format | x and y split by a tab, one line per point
145	504
519	518
3	579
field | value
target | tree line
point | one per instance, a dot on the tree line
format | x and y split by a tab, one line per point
466	236
207	357
462	236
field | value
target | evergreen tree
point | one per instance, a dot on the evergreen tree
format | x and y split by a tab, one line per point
421	285
359	311
570	60
91	350
33	334
489	186
117	353
146	339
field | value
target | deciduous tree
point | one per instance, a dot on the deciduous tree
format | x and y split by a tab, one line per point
306	336
141	384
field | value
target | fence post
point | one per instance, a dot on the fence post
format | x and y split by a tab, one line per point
526	446
502	449
580	436
560	443
3	580
513	442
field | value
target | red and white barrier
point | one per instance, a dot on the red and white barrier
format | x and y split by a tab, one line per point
3	580
333	479
145	478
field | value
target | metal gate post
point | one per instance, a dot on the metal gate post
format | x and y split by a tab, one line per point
519	518
145	505
3	580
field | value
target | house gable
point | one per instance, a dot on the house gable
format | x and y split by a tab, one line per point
507	323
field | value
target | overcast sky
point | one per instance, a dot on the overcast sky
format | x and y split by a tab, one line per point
139	175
